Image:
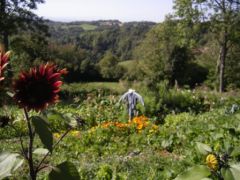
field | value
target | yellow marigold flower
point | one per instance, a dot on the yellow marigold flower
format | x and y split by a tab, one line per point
74	133
56	135
212	162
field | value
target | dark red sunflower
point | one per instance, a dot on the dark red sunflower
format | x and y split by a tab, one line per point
4	57
36	89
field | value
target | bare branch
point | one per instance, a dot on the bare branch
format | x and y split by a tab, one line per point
219	4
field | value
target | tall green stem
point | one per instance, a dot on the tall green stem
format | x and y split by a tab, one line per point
32	172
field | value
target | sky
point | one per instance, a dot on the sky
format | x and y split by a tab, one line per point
123	10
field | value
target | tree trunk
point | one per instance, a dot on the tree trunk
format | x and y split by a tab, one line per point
222	59
223	46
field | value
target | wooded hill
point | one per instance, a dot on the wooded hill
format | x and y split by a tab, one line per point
101	36
79	46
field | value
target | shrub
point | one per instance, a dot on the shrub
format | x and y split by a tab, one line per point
162	101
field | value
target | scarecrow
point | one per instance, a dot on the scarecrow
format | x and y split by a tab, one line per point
131	97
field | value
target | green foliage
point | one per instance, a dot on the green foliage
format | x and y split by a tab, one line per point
152	52
23	18
109	68
77	92
162	101
65	170
129	154
88	27
232	68
221	18
88	47
173	120
161	56
57	121
182	101
104	173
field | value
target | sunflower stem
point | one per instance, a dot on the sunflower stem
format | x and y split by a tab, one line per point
33	174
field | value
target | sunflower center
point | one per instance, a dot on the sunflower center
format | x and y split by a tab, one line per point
39	91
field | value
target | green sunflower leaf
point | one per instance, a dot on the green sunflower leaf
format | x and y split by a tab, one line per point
9	162
203	148
231	173
197	173
44	132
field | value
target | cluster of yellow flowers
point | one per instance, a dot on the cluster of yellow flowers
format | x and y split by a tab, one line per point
73	133
212	162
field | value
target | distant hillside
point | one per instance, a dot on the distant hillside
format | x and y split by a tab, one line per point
98	37
71	30
80	46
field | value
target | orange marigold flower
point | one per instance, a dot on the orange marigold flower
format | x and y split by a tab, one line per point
106	124
121	125
36	89
141	122
4	57
140	126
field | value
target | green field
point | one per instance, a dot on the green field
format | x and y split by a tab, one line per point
127	64
88	27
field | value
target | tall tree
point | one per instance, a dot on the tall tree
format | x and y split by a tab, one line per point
153	54
16	15
222	17
163	55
